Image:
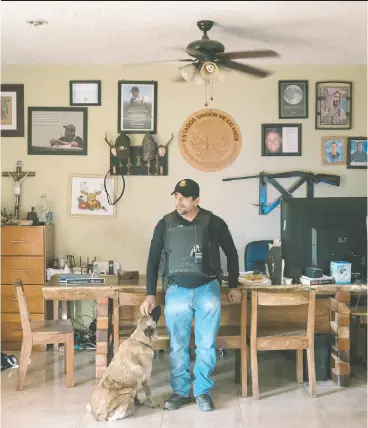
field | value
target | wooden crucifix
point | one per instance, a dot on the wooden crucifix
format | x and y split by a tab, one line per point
18	176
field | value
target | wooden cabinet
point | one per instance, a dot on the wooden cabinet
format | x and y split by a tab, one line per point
26	252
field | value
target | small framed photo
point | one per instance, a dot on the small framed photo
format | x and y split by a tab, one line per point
12	110
281	139
333	105
85	92
357	148
88	196
333	150
293	99
137	107
57	131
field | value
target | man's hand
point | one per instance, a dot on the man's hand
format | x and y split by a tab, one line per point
148	305
234	295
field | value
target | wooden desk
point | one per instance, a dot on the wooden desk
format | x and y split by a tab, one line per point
107	312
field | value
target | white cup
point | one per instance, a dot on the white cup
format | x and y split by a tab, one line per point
288	281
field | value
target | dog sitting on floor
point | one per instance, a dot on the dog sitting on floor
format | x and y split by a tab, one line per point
115	396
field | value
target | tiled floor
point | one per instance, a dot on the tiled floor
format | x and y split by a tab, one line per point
47	402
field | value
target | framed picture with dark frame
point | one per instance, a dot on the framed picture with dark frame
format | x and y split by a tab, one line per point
12	110
293	99
58	131
334	105
85	92
282	139
137	107
357	148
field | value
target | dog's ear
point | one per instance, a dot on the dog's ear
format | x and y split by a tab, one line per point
156	313
149	332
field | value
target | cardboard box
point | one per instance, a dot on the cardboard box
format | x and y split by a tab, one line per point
341	271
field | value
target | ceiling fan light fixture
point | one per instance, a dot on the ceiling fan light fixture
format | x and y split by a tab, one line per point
209	70
187	72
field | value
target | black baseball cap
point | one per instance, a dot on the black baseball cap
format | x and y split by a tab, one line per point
187	188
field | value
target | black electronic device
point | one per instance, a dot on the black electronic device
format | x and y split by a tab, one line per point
316	231
313	272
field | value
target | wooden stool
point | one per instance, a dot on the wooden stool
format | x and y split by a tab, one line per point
43	333
284	340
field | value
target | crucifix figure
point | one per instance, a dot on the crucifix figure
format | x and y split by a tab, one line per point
18	176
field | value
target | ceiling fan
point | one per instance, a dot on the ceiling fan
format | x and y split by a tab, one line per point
209	57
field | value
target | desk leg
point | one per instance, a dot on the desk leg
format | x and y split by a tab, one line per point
340	330
102	339
56	317
243	344
116	322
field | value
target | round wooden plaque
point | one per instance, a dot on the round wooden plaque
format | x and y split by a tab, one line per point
210	140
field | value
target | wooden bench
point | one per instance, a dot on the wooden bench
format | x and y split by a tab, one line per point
232	333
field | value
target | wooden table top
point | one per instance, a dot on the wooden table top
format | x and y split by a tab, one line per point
53	288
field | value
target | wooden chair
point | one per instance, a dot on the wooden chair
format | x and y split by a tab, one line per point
232	333
43	333
284	340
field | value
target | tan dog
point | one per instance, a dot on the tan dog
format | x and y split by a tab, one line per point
115	395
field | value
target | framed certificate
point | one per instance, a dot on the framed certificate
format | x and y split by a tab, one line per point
85	92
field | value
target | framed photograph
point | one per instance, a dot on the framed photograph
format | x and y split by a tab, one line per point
293	99
334	150
12	110
281	139
333	105
57	131
88	196
357	148
137	107
85	92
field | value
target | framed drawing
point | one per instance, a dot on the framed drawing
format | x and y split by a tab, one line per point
357	148
293	99
281	139
57	131
85	92
333	150
137	107
88	197
12	110
333	105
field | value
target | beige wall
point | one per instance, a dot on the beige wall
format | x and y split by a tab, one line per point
250	102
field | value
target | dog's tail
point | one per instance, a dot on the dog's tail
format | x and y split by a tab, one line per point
88	407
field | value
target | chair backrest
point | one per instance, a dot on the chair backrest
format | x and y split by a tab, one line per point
255	255
23	307
299	298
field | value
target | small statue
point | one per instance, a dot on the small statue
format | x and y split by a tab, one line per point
32	215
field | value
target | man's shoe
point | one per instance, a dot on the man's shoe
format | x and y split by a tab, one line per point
175	402
205	403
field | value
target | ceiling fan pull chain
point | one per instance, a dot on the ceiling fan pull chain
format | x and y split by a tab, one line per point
205	91
211	90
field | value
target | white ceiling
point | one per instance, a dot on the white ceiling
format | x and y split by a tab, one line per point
123	32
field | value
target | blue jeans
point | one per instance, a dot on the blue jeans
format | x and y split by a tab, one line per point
180	305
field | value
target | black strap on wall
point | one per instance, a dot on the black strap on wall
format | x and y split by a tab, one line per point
107	193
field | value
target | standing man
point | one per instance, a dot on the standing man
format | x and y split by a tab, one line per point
190	238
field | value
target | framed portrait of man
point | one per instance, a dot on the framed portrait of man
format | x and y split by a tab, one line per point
333	105
282	139
333	150
357	148
137	107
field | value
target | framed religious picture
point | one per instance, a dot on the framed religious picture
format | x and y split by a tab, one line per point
282	139
85	92
333	150
357	148
293	99
12	110
333	105
137	107
88	197
57	131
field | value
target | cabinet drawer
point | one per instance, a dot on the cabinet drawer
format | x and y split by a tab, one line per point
31	270
11	327
22	241
34	296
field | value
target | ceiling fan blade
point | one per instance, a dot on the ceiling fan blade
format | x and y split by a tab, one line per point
244	68
248	54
